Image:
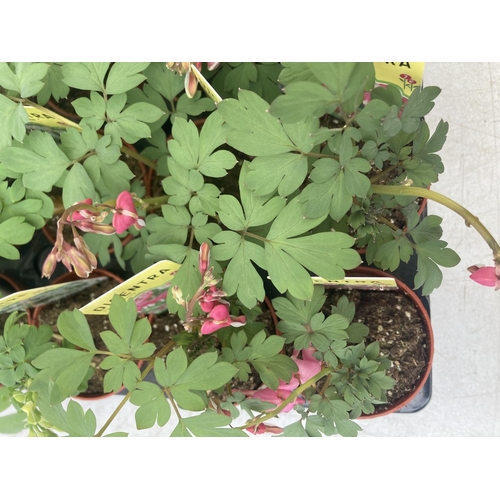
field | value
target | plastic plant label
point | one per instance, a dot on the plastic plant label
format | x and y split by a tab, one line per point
406	75
209	90
148	289
364	283
20	301
48	118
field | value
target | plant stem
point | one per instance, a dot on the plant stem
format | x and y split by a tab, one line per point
158	200
289	399
470	219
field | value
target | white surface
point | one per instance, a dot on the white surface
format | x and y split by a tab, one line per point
465	315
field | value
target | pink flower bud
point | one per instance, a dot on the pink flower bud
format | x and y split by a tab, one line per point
49	265
80	263
95	227
204	257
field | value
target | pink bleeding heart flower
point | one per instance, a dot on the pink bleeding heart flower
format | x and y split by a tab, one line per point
81	214
218	318
309	366
485	275
211	298
262	428
126	214
275	397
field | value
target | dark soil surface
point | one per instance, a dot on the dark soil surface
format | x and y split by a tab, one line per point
395	322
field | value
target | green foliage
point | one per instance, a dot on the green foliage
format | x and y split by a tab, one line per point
264	354
300	165
207	424
185	383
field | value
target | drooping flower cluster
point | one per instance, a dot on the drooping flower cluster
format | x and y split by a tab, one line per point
89	217
210	299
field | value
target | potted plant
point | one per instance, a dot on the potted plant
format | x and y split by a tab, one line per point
289	177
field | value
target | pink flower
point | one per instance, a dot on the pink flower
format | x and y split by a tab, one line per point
81	214
211	298
308	365
126	213
485	275
218	318
262	428
276	397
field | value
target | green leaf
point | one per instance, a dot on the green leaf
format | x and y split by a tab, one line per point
274	369
203	374
176	365
54	86
153	406
295	430
287	258
346	80
391	253
164	81
347	428
14	118
211	424
124	76
194	106
428	273
130	124
74	327
418	105
285	172
77	186
371	116
85	76
73	420
13	423
40	161
27	77
302	100
93	110
241	277
62	372
125	372
122	314
14	231
231	213
255	132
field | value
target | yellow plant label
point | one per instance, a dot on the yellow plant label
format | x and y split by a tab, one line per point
361	282
210	91
148	289
406	75
43	295
48	118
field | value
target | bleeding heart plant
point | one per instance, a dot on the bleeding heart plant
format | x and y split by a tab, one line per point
294	170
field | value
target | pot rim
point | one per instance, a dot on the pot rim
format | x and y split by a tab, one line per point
428	325
71	276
